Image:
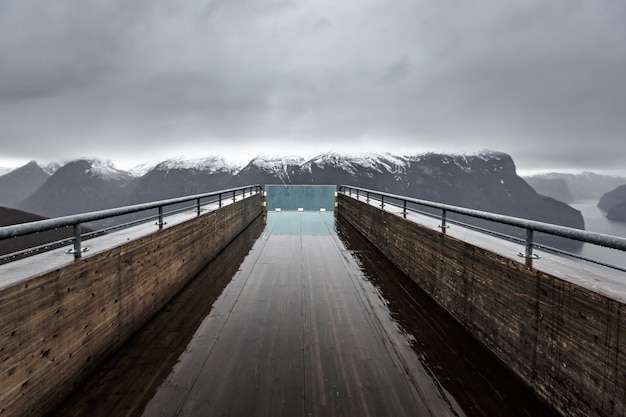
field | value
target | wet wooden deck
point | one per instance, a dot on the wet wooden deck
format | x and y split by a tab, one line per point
296	326
295	335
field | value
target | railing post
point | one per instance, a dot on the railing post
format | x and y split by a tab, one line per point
404	208
234	196
443	224
350	192
357	195
77	251
77	248
198	206
367	197
244	193
528	247
160	221
382	201
219	197
529	243
77	242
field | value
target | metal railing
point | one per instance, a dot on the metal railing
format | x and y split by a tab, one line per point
530	226
76	220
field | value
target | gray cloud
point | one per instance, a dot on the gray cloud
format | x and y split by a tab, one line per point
150	79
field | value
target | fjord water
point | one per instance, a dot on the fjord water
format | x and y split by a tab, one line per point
596	221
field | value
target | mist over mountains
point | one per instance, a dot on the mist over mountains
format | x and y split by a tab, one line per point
608	191
574	187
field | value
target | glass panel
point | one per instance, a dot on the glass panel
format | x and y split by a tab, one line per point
307	197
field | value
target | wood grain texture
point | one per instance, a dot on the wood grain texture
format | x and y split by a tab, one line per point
56	327
566	342
295	334
311	323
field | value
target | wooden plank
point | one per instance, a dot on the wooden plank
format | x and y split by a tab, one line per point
308	326
299	339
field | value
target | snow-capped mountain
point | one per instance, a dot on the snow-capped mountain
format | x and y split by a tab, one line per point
486	180
51	168
275	163
141	170
209	164
354	164
80	186
103	169
180	176
271	169
20	183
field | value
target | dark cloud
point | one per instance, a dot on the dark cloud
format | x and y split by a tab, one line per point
149	79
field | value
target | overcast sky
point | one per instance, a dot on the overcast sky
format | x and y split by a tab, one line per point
144	80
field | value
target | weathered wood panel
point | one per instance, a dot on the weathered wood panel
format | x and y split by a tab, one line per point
566	342
56	327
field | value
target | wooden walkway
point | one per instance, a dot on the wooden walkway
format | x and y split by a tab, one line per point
299	330
293	335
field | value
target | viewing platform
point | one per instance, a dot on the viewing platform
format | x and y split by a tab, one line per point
310	310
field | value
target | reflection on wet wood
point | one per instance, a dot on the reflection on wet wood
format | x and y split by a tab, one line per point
299	338
471	375
130	377
304	329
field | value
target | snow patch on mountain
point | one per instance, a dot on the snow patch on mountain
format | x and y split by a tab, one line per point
105	169
276	163
141	170
50	168
4	170
356	162
280	166
211	164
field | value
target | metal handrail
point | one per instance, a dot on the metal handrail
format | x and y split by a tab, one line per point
530	226
76	220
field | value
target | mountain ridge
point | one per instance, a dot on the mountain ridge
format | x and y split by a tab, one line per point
614	203
485	180
569	188
21	182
